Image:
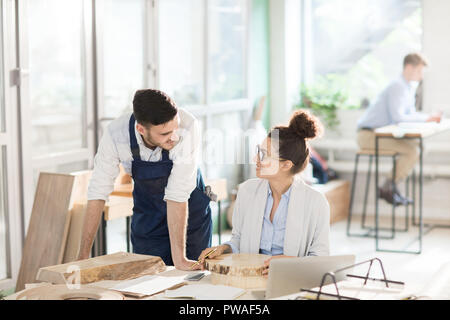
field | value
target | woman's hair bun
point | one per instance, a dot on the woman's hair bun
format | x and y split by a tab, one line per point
305	125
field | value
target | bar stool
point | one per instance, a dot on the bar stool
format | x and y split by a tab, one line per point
370	153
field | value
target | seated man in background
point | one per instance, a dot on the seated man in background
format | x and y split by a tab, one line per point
396	104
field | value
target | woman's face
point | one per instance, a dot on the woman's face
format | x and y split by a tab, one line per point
268	163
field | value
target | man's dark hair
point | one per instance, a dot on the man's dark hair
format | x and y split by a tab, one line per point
153	107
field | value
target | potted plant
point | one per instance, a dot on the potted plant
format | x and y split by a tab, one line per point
324	101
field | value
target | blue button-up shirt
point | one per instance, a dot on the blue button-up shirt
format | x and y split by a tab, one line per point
397	103
272	233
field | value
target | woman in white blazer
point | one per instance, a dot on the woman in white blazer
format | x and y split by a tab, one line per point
277	213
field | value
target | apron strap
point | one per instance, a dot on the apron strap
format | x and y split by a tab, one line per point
165	155
133	142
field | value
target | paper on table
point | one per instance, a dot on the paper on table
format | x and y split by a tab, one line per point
439	286
205	292
417	125
148	285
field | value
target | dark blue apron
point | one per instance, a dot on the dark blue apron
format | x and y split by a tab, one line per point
149	230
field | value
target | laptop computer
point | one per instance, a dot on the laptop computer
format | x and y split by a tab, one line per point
289	275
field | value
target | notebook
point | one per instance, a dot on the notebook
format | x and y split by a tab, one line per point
148	285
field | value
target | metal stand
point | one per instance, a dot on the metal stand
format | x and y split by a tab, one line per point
332	275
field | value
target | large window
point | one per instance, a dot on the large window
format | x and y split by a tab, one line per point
122	42
3	220
3	207
202	50
57	99
181	50
2	88
226	48
358	45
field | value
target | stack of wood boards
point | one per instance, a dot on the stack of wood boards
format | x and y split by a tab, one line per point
242	270
48	228
116	266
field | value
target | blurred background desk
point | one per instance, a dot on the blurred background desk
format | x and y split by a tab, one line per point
419	131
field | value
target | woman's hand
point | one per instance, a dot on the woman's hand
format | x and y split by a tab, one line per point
267	263
219	250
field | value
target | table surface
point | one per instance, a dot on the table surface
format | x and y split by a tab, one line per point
250	294
413	129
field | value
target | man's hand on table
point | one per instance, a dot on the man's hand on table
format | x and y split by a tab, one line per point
186	264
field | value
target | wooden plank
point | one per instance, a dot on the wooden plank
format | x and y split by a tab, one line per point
123	177
118	207
242	270
116	266
337	193
123	190
72	249
49	223
76	214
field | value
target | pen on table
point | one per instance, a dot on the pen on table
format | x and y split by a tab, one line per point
204	257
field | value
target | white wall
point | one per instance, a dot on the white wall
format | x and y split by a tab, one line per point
285	57
436	47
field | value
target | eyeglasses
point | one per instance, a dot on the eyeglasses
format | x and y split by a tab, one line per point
262	154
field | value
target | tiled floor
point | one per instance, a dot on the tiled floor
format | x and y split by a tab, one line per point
415	270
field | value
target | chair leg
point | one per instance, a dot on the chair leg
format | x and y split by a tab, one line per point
407	206
414	198
394	172
352	195
366	195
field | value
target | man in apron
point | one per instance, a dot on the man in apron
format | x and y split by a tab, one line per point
158	145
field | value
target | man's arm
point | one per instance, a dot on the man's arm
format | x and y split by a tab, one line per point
106	169
181	182
90	226
398	107
177	215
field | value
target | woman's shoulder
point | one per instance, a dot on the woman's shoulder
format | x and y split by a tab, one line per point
311	193
252	184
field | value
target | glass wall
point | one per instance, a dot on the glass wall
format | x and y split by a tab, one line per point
122	54
226	49
3	220
358	54
57	95
2	86
181	50
202	50
3	179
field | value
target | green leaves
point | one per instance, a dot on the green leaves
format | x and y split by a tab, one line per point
323	100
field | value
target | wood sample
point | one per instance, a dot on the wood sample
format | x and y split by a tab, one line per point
242	270
116	266
49	225
63	292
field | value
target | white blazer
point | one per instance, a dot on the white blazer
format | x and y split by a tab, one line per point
307	223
